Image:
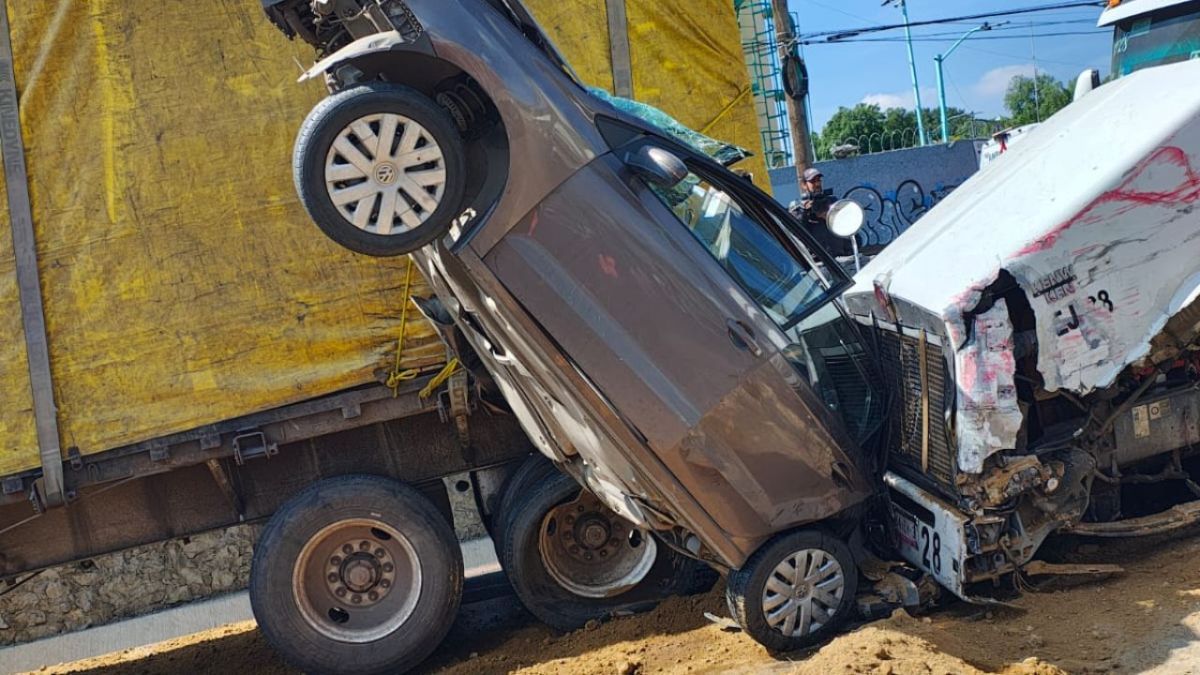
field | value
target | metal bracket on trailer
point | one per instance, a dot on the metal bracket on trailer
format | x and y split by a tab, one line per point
468	521
33	318
455	404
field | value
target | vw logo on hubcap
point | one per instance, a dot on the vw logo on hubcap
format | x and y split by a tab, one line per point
385	173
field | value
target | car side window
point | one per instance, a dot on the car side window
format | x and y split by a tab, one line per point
785	285
791	287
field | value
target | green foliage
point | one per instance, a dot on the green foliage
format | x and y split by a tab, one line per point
872	128
1026	107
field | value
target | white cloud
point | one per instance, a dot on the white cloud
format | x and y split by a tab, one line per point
995	81
886	101
901	99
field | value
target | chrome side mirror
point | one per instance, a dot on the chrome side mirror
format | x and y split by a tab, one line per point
845	219
656	165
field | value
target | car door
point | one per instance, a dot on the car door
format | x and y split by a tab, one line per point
640	301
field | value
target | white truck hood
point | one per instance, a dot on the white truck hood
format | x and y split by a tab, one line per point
1095	215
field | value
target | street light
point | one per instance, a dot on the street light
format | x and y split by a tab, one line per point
941	81
912	67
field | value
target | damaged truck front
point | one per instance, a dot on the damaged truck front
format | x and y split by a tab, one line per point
1038	332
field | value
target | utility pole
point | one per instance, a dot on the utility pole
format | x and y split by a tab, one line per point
1037	102
912	68
940	60
797	117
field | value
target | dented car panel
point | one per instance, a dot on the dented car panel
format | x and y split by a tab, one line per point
754	448
1065	295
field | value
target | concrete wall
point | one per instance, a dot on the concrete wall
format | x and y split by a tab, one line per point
895	188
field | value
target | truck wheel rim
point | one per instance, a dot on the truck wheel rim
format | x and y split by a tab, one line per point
803	593
385	174
357	580
591	552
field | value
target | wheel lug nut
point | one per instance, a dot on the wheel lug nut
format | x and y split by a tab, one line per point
568	535
372	596
387	567
579	508
365	546
341	592
603	554
587	556
347	549
380	553
356	599
335	561
333	578
570	520
385	584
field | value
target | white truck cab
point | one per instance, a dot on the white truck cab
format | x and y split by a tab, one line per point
1040	328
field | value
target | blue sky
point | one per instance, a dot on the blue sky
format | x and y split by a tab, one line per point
976	73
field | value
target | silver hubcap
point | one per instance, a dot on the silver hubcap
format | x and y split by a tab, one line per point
803	593
592	552
385	174
357	581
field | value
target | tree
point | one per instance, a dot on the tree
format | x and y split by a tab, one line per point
850	125
1026	106
873	129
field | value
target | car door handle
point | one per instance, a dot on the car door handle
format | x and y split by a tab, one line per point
743	337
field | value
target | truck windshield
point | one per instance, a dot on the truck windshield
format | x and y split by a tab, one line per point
1167	36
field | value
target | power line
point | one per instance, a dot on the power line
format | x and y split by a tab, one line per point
840	11
836	35
928	37
939	39
1020	56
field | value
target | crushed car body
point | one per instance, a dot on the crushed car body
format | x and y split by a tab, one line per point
1020	362
663	330
1039	327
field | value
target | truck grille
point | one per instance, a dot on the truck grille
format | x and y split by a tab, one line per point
901	362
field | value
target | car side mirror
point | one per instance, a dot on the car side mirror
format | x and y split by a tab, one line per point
656	165
1087	81
846	218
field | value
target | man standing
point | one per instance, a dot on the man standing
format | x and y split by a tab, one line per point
812	210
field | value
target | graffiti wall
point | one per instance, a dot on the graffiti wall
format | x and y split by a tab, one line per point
894	188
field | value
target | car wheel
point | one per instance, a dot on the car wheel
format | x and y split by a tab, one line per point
380	169
357	574
571	560
796	591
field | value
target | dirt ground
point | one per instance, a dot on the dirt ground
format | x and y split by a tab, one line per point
1145	621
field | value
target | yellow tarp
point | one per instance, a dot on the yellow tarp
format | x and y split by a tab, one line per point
686	56
183	283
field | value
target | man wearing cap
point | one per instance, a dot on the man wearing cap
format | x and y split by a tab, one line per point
812	210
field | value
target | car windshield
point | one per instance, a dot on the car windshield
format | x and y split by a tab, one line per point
1168	36
786	287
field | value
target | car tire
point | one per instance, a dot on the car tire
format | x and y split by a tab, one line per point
372	199
356	574
566	593
784	610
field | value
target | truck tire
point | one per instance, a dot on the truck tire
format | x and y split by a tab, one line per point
614	568
380	168
356	574
794	592
535	469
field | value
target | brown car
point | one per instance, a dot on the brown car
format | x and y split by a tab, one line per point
664	331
